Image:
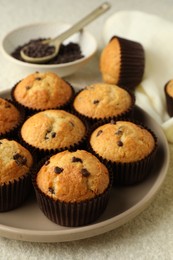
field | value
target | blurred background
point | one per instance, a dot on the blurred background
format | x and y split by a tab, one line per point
17	13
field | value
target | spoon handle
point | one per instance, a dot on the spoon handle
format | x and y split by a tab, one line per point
86	20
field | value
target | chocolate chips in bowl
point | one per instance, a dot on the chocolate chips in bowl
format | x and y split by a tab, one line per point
68	52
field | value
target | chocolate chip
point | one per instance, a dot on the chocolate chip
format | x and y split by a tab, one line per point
20	160
58	170
99	132
85	172
37	78
51	190
47	162
119	132
53	134
75	159
0	142
28	87
7	105
120	143
96	101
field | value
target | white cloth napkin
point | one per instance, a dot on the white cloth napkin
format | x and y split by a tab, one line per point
156	36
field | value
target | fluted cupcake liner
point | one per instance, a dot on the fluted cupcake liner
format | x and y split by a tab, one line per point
128	173
126	114
31	111
14	193
132	173
72	214
169	101
13	133
132	63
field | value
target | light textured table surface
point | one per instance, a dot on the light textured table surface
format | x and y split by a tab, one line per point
150	234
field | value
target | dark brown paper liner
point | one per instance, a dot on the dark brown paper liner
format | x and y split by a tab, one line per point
126	114
13	194
132	63
13	133
169	101
71	214
31	111
41	153
127	173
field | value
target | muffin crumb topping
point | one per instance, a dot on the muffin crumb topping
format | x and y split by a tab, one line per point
123	141
83	176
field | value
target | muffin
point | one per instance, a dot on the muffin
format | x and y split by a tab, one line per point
103	101
51	131
72	188
129	148
11	118
42	91
122	62
15	183
168	89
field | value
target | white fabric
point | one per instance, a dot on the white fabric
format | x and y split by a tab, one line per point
156	36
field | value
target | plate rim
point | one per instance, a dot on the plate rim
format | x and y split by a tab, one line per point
97	228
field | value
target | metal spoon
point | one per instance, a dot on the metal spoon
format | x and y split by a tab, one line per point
56	42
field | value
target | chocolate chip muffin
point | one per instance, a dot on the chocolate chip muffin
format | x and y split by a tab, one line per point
11	118
122	62
53	130
42	91
168	89
104	101
128	147
15	163
71	184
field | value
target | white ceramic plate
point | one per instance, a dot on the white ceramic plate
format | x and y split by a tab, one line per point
26	33
29	223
